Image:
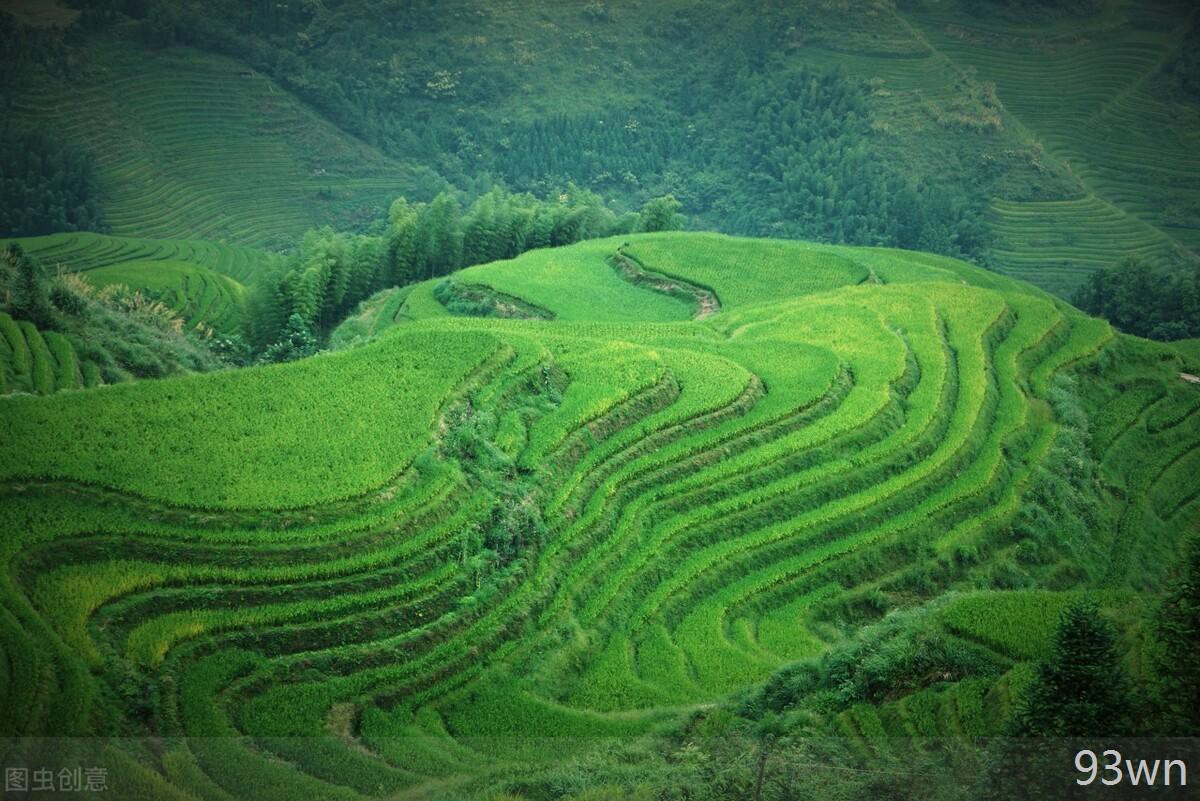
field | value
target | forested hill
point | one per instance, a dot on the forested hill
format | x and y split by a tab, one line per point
1044	139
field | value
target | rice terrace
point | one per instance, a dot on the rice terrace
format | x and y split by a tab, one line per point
599	400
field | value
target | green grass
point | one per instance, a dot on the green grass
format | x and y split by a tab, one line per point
1019	624
734	268
577	285
466	550
196	440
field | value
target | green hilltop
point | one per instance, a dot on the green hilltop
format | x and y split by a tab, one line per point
473	550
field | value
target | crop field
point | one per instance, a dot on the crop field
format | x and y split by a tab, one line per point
197	295
466	550
39	362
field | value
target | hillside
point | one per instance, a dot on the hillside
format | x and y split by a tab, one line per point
485	553
202	282
1046	144
605	400
194	145
1093	95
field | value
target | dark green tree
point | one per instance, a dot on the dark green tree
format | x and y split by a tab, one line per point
46	185
1081	689
297	342
661	214
29	297
1080	692
1177	629
404	263
1159	301
441	236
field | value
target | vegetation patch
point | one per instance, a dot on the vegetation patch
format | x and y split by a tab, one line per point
480	300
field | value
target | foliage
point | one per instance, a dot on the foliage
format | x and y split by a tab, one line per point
1032	11
297	341
45	185
1080	688
110	335
661	214
331	272
888	659
1144	299
751	143
24	283
1177	628
546	556
202	298
1182	70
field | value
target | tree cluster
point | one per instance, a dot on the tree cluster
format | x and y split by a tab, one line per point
25	49
45	186
1032	11
1150	300
331	272
1182	70
807	168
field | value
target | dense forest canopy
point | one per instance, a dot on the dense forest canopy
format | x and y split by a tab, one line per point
1146	299
45	185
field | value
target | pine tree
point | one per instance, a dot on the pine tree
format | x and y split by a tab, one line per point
1080	690
31	300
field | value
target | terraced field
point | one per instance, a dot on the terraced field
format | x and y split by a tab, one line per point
195	145
197	295
1089	92
202	282
468	549
80	252
41	362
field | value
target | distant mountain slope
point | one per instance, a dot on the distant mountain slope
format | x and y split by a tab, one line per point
1090	91
80	252
1046	144
195	145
